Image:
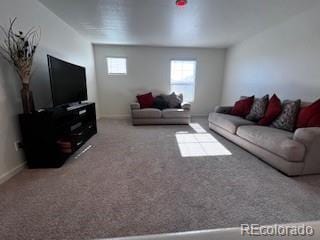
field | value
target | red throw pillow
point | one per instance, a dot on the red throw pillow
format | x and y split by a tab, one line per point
273	111
242	107
307	113
314	121
145	100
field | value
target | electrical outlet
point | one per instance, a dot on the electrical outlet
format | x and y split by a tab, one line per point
17	145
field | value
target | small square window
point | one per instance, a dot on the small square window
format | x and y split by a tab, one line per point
117	66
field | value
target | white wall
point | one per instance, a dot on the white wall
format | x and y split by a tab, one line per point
57	39
284	59
149	70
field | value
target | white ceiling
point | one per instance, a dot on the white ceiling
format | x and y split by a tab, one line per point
202	23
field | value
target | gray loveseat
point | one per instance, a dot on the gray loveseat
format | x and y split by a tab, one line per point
152	116
294	154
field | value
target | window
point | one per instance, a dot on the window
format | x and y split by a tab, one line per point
117	66
183	75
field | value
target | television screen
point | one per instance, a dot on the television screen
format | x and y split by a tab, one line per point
68	82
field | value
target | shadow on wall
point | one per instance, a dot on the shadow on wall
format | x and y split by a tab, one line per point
10	107
199	144
9	87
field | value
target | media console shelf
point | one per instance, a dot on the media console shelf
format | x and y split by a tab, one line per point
51	136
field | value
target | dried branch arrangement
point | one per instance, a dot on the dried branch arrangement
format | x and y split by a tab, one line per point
18	48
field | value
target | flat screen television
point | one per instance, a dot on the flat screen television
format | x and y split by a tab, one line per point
68	82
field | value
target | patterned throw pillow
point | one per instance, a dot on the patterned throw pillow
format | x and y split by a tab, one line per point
288	117
258	109
173	100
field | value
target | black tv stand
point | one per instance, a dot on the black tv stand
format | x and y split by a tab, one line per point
75	106
51	136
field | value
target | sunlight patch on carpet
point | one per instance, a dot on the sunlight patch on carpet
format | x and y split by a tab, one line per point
197	128
200	144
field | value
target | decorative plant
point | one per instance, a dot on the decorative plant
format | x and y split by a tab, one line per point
18	48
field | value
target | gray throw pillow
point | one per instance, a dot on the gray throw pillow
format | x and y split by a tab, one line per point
258	109
287	119
160	103
173	100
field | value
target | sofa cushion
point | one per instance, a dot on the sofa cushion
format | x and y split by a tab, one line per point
175	113
228	122
146	113
174	100
145	100
307	113
314	121
242	107
258	109
160	103
288	117
277	141
273	111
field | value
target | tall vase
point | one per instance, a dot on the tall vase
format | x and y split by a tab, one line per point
27	99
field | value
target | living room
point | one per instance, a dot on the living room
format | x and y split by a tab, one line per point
229	151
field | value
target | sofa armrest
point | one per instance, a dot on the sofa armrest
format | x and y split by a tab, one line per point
307	136
310	138
134	106
186	106
223	109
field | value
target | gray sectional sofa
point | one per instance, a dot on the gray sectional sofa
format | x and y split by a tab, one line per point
152	116
293	153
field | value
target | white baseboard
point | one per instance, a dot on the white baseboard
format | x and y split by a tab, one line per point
6	176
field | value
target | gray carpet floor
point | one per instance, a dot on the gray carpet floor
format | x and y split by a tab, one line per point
134	181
